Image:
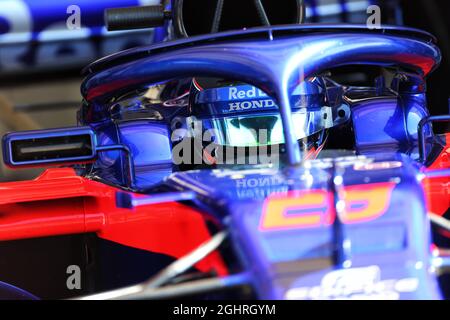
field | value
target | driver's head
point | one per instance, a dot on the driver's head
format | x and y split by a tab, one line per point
241	115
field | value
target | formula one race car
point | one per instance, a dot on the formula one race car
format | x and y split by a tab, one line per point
241	164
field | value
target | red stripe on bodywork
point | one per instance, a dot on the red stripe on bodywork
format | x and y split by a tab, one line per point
60	202
437	190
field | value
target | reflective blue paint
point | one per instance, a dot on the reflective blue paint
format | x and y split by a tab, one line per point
388	121
255	33
397	242
150	149
271	64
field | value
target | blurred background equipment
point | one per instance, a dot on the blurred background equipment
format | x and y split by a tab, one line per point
43	36
43	46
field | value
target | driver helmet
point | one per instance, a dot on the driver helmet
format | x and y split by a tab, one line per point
241	115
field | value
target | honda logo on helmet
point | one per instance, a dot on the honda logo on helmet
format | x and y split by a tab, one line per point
246	105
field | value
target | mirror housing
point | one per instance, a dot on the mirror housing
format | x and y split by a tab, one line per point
49	147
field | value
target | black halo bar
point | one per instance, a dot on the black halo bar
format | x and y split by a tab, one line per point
262	13
217	16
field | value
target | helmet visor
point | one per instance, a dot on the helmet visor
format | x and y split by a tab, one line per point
265	129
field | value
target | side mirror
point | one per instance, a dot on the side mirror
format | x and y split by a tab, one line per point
49	147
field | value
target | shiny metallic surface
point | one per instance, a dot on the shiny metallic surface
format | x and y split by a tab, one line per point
271	64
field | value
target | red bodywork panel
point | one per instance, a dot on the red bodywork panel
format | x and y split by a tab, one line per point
437	189
59	202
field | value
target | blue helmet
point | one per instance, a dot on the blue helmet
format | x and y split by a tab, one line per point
241	115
